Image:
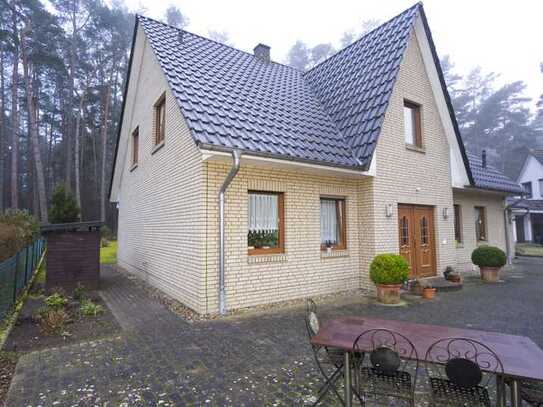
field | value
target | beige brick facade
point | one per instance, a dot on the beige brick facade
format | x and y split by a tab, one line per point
168	205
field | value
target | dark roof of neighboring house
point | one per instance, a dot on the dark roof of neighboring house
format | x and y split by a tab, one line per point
331	115
532	204
490	177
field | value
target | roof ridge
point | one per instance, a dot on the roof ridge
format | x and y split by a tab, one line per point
138	16
416	5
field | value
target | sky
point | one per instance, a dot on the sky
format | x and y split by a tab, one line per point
501	36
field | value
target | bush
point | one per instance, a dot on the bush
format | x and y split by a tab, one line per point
56	301
488	256
64	208
106	233
18	229
104	242
91	309
52	321
79	292
389	268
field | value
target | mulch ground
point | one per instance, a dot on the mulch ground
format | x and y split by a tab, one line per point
26	335
8	361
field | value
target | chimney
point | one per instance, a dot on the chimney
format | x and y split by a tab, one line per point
484	159
262	52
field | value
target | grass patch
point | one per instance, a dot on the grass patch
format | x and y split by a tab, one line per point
529	249
108	255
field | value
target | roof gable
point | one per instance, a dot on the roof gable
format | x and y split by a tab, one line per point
355	84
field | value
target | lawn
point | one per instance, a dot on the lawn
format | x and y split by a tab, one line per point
528	249
108	255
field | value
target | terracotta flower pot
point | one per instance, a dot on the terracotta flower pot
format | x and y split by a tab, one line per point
490	274
428	293
388	293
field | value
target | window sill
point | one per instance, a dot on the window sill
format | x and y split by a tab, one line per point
325	254
134	166
266	258
157	147
415	148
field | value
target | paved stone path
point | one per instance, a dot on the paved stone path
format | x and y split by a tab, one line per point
255	360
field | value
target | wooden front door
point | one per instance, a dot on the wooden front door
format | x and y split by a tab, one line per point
417	239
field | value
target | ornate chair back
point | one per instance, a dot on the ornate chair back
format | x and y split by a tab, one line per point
465	362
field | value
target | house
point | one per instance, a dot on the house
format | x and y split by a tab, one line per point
528	211
241	181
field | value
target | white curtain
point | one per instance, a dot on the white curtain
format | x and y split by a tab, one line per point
263	212
329	226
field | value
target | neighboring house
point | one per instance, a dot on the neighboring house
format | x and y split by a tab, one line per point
529	210
359	156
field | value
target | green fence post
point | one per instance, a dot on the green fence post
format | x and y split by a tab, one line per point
15	278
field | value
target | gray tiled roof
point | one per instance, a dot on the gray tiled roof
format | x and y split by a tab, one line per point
355	85
231	99
490	177
532	204
330	115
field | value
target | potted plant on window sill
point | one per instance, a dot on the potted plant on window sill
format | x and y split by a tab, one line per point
490	260
388	272
329	246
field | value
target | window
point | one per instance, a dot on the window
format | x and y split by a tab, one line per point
527	186
333	231
160	119
412	124
458	224
135	145
404	231
541	187
480	223
266	231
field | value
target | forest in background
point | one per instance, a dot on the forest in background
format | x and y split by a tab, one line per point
63	66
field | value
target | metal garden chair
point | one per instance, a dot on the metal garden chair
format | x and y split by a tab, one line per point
391	369
327	359
455	372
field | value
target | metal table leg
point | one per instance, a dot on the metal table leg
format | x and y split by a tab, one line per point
515	395
348	382
500	391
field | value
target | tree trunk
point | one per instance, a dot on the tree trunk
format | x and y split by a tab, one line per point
76	150
15	117
3	134
33	130
103	137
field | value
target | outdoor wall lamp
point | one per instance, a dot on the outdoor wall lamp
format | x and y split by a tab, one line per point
388	210
445	213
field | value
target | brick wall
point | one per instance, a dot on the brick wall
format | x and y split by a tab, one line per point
161	202
494	208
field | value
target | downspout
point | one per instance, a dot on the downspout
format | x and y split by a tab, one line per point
236	157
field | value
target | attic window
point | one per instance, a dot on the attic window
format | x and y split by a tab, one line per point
160	119
412	124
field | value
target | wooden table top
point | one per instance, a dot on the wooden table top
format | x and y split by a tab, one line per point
520	356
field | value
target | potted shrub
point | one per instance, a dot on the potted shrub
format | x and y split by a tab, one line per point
388	272
490	260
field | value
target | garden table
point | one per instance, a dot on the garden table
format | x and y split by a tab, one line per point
520	356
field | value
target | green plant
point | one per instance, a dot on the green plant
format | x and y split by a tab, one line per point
389	268
105	232
56	301
64	208
17	230
52	321
91	309
488	256
79	292
104	242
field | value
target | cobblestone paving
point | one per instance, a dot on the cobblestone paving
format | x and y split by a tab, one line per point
251	360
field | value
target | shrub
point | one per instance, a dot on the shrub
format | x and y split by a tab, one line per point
52	321
64	208
18	229
79	292
389	268
488	256
106	233
91	309
56	301
104	242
